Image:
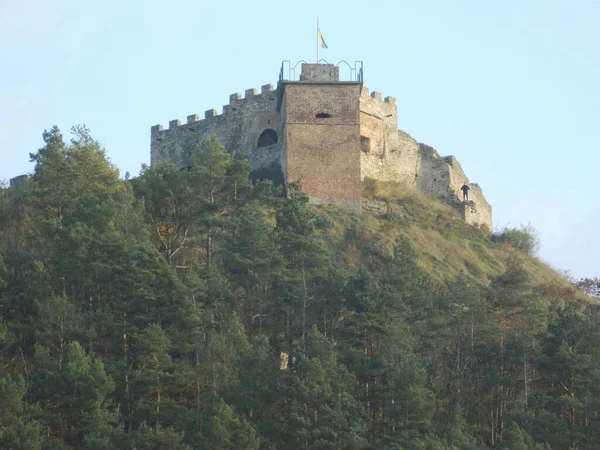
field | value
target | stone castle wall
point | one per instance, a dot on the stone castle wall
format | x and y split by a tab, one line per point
238	128
389	154
332	154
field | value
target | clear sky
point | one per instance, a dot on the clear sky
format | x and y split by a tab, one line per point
510	88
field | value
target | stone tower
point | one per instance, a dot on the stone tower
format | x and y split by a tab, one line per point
321	131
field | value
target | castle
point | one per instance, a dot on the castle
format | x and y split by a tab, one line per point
328	132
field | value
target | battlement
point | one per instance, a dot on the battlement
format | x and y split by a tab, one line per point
235	100
320	72
364	94
383	108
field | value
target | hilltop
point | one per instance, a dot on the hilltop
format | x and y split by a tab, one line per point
198	309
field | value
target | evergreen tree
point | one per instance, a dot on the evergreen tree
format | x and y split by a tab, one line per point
152	364
18	429
322	410
253	261
170	207
570	370
227	430
518	439
72	390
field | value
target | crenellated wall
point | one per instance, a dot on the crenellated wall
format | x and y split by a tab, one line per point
387	154
390	154
331	134
238	128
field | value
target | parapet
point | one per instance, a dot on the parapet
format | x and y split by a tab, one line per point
211	114
320	72
373	104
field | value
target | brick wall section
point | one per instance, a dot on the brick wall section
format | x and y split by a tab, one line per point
237	128
323	152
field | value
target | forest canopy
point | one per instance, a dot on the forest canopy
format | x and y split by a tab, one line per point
198	309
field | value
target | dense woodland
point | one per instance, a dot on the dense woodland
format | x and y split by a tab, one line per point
198	309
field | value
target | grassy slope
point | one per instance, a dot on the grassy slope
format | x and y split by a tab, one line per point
444	243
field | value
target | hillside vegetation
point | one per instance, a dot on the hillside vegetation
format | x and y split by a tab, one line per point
445	245
197	309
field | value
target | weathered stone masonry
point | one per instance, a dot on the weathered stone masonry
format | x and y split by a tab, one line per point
332	134
238	127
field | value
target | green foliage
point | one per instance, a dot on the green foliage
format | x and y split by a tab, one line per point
18	429
517	439
64	173
72	389
197	309
591	286
227	430
147	438
323	412
526	239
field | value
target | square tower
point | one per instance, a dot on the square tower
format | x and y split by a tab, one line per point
321	132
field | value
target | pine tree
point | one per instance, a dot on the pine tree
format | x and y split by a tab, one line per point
19	430
323	412
72	390
570	370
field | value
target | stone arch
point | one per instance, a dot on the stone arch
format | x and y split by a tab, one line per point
267	137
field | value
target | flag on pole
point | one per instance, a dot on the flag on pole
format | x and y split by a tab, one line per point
321	40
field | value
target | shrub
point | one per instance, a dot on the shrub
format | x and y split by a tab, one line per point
526	239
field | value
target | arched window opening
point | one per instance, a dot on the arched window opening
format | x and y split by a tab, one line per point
323	115
267	137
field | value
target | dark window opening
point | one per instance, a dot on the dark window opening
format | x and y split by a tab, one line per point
365	144
267	137
322	115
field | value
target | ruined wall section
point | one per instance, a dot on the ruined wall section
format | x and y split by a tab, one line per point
388	154
477	211
237	128
433	174
443	177
323	141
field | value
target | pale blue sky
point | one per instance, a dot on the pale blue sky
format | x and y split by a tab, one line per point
510	88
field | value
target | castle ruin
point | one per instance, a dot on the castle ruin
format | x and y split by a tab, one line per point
328	132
